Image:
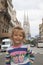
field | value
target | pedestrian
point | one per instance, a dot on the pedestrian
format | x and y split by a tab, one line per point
18	53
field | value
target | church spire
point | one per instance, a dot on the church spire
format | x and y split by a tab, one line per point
27	16
24	17
28	19
26	26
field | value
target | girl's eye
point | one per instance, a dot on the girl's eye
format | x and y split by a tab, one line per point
20	35
15	35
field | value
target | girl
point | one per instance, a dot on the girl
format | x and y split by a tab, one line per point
18	53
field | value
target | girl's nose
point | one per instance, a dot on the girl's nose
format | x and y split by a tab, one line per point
18	36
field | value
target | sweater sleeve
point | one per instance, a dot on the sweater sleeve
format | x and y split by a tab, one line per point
7	58
32	57
31	53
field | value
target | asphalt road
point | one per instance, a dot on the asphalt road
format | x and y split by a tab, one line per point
37	50
38	59
2	59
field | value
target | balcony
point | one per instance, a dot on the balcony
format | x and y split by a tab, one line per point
4	35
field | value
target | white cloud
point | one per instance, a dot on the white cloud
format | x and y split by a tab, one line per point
41	5
35	13
27	4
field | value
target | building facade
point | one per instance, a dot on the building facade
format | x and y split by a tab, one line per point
4	19
41	31
7	18
12	13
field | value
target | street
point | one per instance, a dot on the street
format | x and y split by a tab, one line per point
38	57
37	50
21	23
2	59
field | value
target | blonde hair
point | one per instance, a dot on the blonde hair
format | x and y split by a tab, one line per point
19	28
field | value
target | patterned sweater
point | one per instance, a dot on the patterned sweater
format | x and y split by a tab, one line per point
19	55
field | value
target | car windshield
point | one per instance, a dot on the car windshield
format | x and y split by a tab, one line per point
3	43
6	43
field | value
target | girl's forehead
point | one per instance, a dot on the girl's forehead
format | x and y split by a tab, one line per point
17	30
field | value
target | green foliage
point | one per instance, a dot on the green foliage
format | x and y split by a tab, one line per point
33	42
27	42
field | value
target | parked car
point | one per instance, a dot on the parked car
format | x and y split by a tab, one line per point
5	44
40	45
31	45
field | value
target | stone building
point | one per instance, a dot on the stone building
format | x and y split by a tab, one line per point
14	21
4	19
8	18
41	31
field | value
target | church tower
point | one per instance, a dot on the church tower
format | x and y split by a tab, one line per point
26	26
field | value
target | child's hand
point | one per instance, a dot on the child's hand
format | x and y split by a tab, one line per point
31	61
33	52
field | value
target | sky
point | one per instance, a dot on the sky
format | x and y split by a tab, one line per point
34	8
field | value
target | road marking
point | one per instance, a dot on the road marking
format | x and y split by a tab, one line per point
38	53
0	53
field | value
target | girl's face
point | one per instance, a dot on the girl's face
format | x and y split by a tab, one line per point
17	36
